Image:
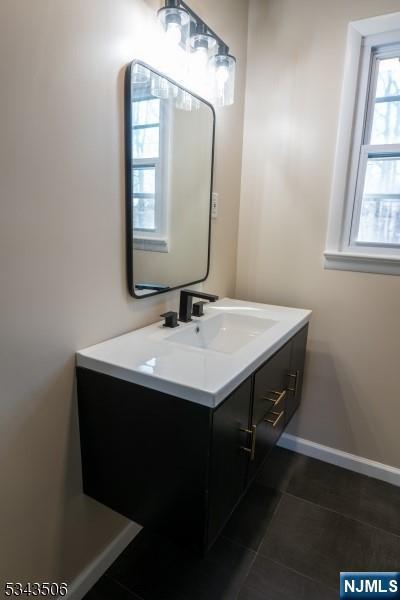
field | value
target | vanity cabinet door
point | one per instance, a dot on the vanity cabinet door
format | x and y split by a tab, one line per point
229	458
269	404
296	372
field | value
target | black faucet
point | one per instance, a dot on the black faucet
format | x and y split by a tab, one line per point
185	304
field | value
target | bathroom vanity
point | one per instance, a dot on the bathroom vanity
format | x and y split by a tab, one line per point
175	424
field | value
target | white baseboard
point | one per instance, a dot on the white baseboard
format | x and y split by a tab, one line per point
80	586
341	459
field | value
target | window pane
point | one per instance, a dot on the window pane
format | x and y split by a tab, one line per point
388	83
144	213
145	142
386	123
380	221
146	112
380	209
382	176
144	180
386	118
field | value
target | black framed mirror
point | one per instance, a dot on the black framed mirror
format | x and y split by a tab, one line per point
169	155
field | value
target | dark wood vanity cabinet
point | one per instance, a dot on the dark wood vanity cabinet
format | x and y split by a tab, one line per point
176	466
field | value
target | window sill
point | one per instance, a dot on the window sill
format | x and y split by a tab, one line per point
151	244
363	263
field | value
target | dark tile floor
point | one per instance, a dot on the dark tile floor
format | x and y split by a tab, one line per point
300	524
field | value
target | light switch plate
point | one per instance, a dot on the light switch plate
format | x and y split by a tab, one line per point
214	205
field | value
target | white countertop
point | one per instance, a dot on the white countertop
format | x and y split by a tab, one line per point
147	357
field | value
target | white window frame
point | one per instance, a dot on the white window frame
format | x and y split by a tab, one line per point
342	251
156	240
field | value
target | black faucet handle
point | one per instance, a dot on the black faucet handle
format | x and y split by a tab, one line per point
198	308
171	319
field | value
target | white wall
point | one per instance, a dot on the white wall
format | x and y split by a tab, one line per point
62	252
295	66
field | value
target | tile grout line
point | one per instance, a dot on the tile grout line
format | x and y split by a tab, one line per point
281	564
239	544
251	551
270	522
256	551
396	535
121	585
246	574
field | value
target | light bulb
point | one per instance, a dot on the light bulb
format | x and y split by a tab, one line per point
223	78
174	33
222	75
201	57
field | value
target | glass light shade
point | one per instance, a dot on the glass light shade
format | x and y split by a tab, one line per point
176	23
203	40
162	88
203	46
140	75
223	68
186	101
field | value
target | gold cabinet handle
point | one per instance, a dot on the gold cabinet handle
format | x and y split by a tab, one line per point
274	422
294	376
252	449
276	401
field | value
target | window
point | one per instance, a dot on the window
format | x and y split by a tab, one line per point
148	197
364	223
376	215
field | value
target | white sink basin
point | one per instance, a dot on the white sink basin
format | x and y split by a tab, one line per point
226	332
234	338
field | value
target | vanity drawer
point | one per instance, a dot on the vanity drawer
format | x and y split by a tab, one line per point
270	385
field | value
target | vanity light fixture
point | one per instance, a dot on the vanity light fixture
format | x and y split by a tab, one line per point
210	60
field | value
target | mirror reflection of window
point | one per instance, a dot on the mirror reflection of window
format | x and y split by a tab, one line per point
147	188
